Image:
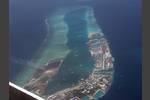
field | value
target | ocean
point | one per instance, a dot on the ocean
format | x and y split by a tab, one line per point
121	25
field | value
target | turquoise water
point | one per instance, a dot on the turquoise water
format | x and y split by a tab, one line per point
78	64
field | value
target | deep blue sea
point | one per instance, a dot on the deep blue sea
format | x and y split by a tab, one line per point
119	20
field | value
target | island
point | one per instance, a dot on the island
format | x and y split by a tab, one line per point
76	36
